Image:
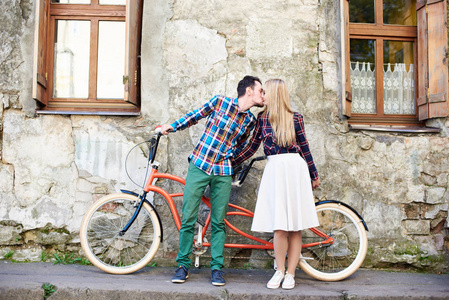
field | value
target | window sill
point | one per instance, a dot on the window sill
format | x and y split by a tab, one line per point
90	113
404	129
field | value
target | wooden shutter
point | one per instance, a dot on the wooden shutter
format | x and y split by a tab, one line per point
432	59
346	107
131	79
39	63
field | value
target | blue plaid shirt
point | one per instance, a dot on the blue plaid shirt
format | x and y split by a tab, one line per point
226	128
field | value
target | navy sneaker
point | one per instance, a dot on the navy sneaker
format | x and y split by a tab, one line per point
182	273
217	277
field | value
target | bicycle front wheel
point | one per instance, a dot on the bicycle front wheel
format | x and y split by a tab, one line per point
342	258
106	248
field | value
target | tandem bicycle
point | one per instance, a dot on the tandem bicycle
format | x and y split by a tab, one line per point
121	232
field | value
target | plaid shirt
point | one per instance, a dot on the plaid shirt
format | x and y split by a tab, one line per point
226	128
264	132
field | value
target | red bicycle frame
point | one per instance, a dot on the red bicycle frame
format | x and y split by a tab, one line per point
263	245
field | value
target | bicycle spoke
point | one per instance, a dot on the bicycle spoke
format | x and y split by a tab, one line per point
114	251
336	260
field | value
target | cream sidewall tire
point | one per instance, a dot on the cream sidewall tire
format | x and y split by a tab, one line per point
360	256
119	270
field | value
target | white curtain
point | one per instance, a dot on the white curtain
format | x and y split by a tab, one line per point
399	89
363	88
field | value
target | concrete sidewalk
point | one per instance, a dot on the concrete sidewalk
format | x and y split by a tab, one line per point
25	280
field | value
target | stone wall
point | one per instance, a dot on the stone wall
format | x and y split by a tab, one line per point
53	167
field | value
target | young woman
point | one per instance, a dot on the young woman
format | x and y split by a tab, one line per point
285	203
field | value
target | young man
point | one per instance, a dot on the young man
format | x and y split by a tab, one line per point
228	124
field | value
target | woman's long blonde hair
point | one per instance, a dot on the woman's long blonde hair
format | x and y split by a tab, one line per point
280	113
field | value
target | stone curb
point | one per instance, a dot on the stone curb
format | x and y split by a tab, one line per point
25	280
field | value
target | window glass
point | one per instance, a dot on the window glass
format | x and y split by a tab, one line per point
363	76
71	65
71	1
112	2
111	63
399	78
361	11
399	12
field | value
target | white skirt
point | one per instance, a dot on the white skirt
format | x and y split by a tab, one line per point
285	199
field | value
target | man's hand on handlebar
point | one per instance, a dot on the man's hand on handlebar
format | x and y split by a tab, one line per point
166	129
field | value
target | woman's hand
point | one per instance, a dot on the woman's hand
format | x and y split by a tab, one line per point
316	183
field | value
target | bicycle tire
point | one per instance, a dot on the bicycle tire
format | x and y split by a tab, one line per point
342	258
105	248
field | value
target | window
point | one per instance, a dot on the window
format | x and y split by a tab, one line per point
396	70
87	56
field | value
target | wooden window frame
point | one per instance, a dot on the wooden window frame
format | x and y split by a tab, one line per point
424	107
46	16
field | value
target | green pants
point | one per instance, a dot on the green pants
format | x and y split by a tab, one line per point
220	190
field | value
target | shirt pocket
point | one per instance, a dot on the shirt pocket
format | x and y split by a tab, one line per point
235	127
222	121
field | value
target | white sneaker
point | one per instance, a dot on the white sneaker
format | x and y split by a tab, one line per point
289	282
275	281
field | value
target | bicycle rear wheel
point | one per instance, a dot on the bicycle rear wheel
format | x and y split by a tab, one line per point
341	259
102	243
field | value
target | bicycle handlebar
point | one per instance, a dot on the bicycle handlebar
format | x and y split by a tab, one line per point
246	169
154	142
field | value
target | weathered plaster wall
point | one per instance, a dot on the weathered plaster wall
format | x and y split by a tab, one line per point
54	167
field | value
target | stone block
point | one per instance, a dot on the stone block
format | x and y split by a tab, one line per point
439	242
4	251
25	255
52	238
412	210
443	181
419	227
435	195
6	178
414	193
10	235
429	245
365	143
428	179
382	220
44	211
438	211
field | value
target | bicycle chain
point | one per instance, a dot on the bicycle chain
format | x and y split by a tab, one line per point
240	257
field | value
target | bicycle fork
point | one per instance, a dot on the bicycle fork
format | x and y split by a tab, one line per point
136	212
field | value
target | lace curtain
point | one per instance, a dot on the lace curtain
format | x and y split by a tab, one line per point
363	88
399	88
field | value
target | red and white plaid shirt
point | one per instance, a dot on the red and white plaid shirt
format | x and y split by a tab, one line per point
264	132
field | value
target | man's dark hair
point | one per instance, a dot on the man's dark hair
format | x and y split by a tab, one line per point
247	81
